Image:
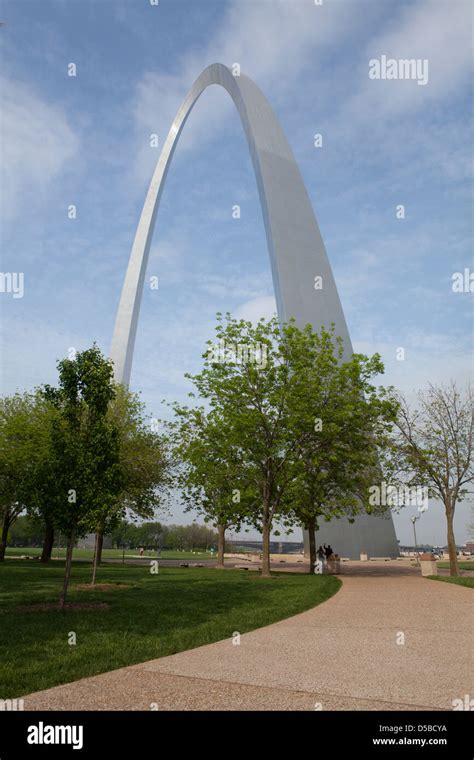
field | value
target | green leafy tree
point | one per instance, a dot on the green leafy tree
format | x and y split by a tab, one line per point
301	425
247	380
154	535
121	534
211	473
251	381
85	448
149	535
143	461
24	447
42	494
347	422
26	532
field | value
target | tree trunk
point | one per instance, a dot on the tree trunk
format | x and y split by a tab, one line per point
453	552
311	528
67	569
266	549
48	542
220	546
5	529
96	556
99	546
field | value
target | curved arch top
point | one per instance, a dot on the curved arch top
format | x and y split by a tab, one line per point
296	249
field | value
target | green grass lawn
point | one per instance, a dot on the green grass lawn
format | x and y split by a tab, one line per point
155	615
15	551
462	565
459	581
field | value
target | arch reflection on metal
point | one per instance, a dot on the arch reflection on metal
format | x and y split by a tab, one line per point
295	246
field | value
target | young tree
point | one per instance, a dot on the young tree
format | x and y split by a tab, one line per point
85	447
435	446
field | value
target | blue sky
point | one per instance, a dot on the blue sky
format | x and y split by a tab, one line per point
85	140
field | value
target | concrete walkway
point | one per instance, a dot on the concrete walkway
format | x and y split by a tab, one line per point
346	654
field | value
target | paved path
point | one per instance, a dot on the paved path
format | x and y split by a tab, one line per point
341	655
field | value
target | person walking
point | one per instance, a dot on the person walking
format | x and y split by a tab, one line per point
328	551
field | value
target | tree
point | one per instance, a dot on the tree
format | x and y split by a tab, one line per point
143	462
85	448
42	486
347	422
298	427
9	515
121	534
26	532
23	449
248	381
211	472
154	535
150	534
435	448
269	384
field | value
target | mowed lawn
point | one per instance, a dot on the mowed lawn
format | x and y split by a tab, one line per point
151	616
467	581
463	565
14	551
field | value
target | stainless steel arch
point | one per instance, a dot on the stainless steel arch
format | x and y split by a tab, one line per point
296	249
297	256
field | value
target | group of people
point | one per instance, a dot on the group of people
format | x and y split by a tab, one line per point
325	552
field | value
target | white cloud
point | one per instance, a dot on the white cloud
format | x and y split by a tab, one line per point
435	358
429	29
272	42
37	141
256	308
31	348
275	42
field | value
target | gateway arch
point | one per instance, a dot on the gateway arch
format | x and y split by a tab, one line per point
297	256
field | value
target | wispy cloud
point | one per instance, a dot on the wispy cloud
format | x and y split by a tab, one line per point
37	142
272	43
256	308
428	29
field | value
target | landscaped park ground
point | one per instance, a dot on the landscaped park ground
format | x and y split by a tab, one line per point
146	615
458	580
60	553
343	653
